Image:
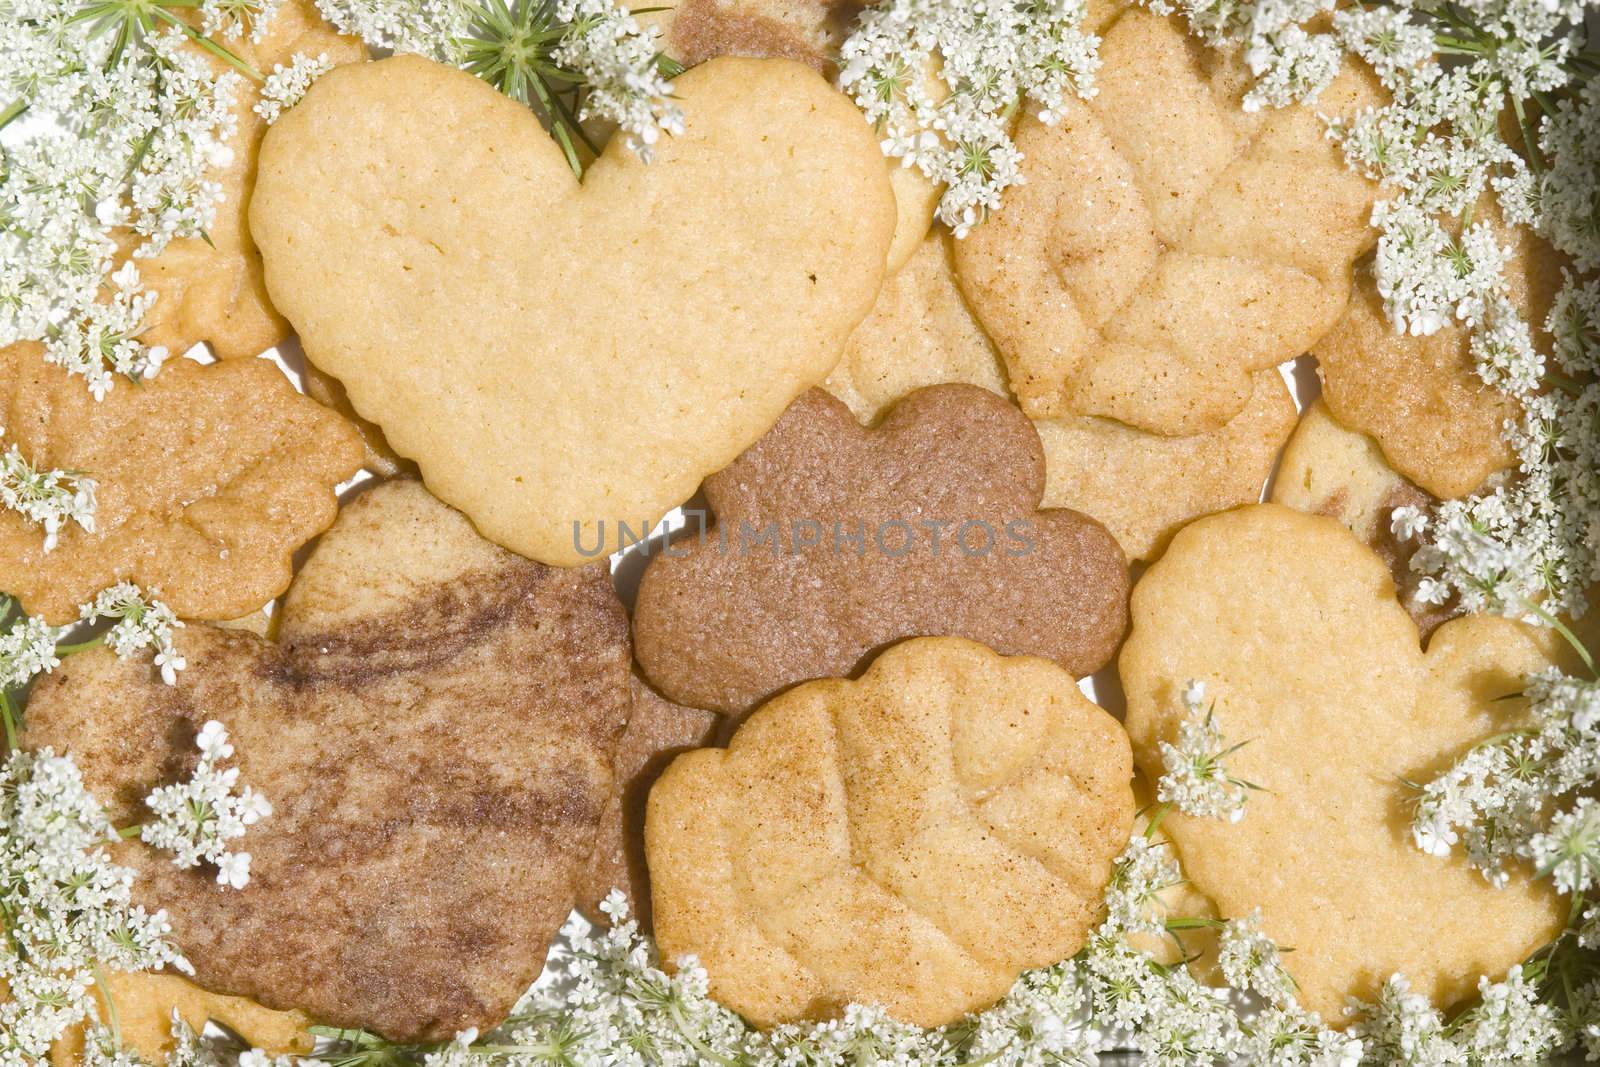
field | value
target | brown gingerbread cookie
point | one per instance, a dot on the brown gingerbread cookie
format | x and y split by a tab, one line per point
832	540
435	731
657	730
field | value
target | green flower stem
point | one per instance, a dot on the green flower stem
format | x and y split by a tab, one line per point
8	713
8	115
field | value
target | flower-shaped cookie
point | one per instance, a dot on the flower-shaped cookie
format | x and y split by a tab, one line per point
1293	625
914	839
208	478
434	730
1167	243
833	540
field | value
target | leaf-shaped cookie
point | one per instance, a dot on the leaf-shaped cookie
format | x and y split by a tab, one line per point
555	356
832	540
914	839
1294	626
1142	486
1421	398
208	479
1161	253
435	731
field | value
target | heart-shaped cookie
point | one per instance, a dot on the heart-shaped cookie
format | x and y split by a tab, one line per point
435	731
1293	625
913	839
560	358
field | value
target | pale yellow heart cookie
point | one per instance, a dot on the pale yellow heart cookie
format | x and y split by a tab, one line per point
557	356
1142	486
913	839
1167	243
1294	626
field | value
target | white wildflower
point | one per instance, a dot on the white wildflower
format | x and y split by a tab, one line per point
68	907
196	819
616	60
140	624
287	84
1250	960
990	58
51	498
1197	780
1569	848
27	649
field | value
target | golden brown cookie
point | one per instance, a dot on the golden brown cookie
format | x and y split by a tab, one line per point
208	479
1330	470
570	367
1142	486
657	730
1168	244
435	731
914	839
832	540
1420	398
145	1004
211	289
1293	625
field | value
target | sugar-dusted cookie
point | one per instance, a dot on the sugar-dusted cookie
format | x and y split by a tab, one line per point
1168	244
1421	398
913	839
435	731
1333	471
586	359
657	730
208	478
832	540
211	289
1143	486
1293	625
145	1004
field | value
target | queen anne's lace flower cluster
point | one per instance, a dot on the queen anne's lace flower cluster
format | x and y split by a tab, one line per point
51	498
616	59
196	819
123	125
141	623
1498	798
287	84
1197	781
989	58
67	906
594	44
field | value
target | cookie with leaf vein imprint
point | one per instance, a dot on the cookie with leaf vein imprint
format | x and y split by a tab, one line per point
208	479
1142	486
588	360
1316	669
435	729
832	540
914	839
1168	244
